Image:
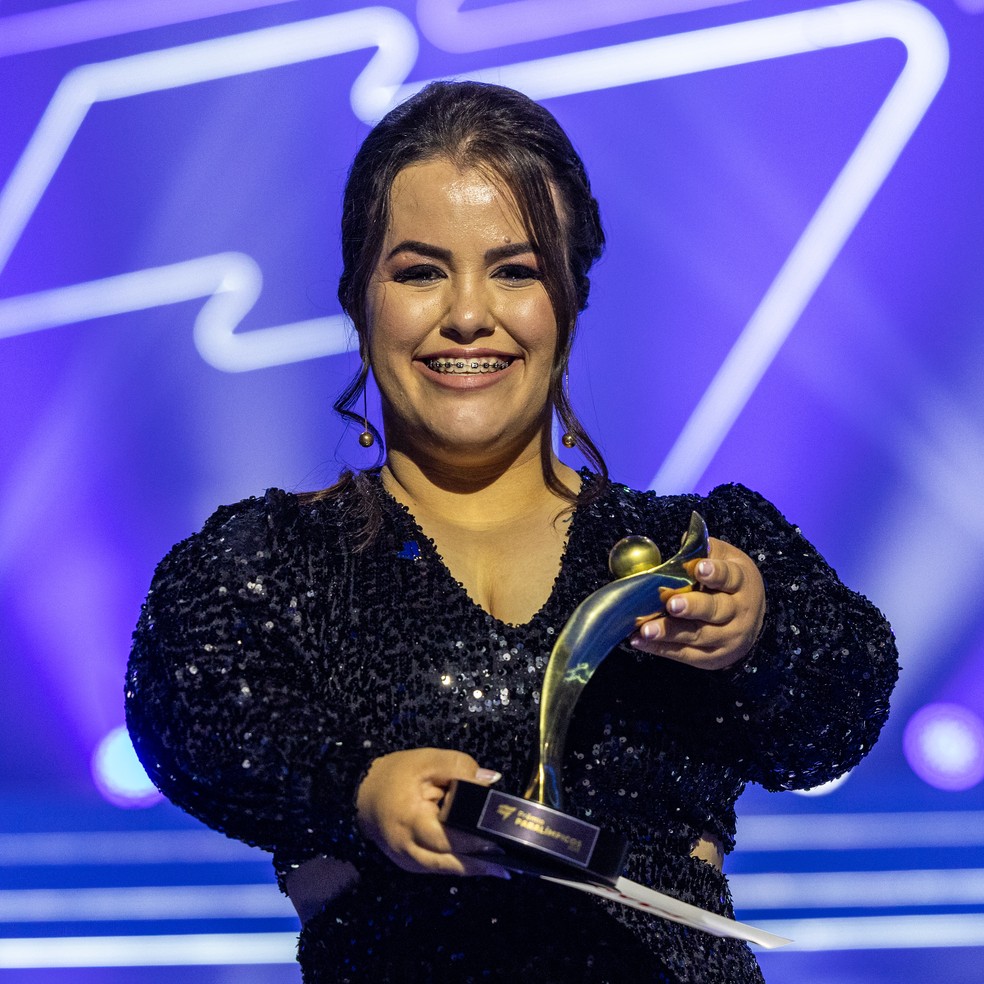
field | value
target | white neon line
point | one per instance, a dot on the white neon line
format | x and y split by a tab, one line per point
90	20
858	889
212	949
712	48
861	933
828	230
231	282
271	47
757	833
37	164
860	831
840	211
238	277
124	847
761	891
126	903
124	293
204	61
879	932
447	26
375	89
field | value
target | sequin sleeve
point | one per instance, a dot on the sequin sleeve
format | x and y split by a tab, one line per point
223	685
810	699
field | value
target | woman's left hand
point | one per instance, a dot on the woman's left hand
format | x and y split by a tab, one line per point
717	626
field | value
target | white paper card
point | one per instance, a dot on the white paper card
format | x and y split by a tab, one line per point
637	896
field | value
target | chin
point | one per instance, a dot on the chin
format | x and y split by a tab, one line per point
467	445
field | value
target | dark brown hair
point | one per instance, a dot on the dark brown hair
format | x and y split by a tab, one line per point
515	139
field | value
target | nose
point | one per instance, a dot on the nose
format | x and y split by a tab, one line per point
469	315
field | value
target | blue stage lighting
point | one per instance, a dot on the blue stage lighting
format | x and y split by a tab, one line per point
118	774
944	744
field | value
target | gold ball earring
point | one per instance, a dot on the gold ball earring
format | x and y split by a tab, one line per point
365	438
568	440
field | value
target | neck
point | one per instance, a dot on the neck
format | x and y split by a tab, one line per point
475	496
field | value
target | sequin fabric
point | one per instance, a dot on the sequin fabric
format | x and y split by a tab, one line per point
271	664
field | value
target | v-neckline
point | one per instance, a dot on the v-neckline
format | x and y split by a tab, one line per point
428	548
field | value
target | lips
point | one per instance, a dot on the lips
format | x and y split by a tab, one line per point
471	366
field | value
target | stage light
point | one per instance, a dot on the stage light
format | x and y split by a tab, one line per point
824	788
118	774
944	745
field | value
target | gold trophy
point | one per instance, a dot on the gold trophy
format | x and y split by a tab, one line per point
533	829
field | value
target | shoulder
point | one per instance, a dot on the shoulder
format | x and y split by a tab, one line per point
735	506
733	512
626	498
263	534
235	529
731	502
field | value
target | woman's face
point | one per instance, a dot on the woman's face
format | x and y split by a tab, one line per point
462	333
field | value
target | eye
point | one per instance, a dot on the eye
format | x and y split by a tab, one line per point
419	273
518	273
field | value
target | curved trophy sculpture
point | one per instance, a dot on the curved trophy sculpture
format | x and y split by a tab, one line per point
642	587
534	829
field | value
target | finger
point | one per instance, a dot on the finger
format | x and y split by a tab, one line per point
429	833
711	607
463	842
432	835
694	637
434	790
700	659
419	859
703	658
487	777
651	631
657	634
671	646
684	642
447	765
476	866
720	575
454	864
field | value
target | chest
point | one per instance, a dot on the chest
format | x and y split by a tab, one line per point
508	569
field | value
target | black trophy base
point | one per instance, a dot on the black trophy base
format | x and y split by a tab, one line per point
536	838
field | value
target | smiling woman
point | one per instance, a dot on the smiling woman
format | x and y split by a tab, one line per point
462	334
310	673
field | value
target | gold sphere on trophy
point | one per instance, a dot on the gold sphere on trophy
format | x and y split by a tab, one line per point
633	555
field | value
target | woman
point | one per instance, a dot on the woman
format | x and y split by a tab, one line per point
311	672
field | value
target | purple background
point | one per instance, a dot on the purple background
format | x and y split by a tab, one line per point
117	438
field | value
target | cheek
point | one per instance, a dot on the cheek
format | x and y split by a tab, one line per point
396	317
542	327
529	317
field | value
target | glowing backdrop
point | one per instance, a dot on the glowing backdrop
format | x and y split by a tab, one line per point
792	298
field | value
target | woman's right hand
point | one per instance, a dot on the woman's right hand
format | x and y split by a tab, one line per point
398	804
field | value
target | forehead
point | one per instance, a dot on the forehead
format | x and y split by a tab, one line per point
452	201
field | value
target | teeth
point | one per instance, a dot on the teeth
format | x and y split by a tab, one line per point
467	367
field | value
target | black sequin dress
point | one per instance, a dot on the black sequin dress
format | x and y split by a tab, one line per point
272	663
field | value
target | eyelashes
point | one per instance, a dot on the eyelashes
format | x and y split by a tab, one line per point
425	273
419	273
518	271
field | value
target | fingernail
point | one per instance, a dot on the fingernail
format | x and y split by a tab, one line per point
651	630
500	873
676	605
487	775
705	568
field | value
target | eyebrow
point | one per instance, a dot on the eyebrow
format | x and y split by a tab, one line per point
444	255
